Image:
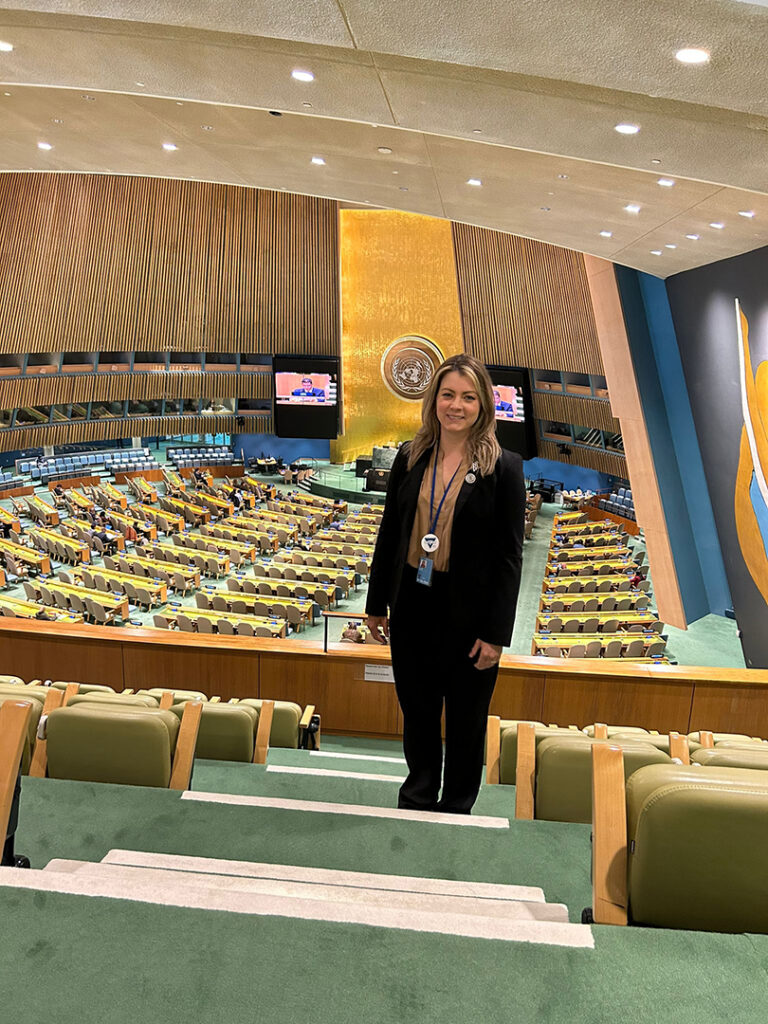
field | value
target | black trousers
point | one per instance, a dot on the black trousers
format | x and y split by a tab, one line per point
8	846
432	669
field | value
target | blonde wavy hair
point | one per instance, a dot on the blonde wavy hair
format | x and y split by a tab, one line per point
483	448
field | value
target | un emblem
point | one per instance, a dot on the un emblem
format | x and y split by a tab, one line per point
408	366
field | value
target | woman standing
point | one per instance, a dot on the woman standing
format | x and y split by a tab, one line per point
447	566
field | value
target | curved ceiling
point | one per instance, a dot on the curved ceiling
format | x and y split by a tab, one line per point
521	96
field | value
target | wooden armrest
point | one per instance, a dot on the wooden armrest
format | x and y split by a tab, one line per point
526	771
706	739
69	693
601	731
186	742
261	746
166	700
492	750
14	716
609	836
678	747
309	710
39	766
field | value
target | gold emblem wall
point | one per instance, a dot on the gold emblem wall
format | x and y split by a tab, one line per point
398	278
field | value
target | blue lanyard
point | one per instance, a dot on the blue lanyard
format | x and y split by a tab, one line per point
433	526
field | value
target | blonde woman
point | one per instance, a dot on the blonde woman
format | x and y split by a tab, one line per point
444	582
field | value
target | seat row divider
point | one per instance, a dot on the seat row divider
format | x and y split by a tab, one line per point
261	747
183	759
526	771
39	766
609	836
493	751
13	728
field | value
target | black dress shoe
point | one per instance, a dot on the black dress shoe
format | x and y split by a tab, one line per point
20	861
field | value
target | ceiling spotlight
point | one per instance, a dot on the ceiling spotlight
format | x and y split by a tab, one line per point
563	177
477	131
56	120
207	127
669	246
545	209
384	149
44	145
141	85
169	147
693	238
403	188
655	161
475	181
665	182
275	113
395	172
626	129
86	96
632	208
606	234
717	225
656	252
302	76
5	47
692	55
6	94
306	103
747	213
179	103
318	160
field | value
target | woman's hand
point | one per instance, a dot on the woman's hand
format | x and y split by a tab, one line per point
379	627
487	654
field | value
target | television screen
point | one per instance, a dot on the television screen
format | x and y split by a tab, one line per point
307	396
515	426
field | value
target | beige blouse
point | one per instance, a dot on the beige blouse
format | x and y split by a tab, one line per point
423	520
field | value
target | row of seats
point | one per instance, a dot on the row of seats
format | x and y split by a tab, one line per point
620	502
189	458
8	479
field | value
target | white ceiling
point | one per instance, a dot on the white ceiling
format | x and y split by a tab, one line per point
517	93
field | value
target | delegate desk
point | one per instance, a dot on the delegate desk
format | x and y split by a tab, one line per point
11	520
78	551
625	618
344	579
342	561
340	508
582	554
188	511
183	556
46	511
591	528
347	537
305	607
616	565
276	627
39	560
83	530
259	538
265	491
247	552
110	496
80	502
30	610
168	522
568	600
277	520
321	516
157	589
584	541
143	490
295	588
129	562
117	603
124	519
541	641
220	507
327	547
577	584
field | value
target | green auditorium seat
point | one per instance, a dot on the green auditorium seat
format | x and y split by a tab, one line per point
114	699
724	756
698	839
179	696
11	680
227	731
101	742
563	786
508	751
285	722
84	687
38	693
720	737
612	730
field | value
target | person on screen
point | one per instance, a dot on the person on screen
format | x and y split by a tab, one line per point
307	390
499	405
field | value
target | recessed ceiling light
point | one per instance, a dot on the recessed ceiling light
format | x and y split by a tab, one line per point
693	238
179	103
475	181
670	246
306	103
656	252
403	188
477	131
169	147
302	76
141	85
692	55
318	160
717	225
626	129
6	94
207	127
384	149
665	182
655	161
5	47
89	98
56	120
545	209
632	208
606	234
747	213
44	145
563	177
275	113
395	172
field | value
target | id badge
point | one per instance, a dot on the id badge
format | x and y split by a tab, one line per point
424	572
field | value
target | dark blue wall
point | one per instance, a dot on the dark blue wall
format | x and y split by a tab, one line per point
287	448
672	437
572	477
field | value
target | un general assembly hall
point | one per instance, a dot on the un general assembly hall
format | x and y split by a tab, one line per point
383	511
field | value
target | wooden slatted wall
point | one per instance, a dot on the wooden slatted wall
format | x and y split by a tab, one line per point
585	412
100	263
603	462
524	303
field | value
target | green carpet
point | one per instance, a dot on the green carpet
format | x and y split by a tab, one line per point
69	959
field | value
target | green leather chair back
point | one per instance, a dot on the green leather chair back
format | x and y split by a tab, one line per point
99	742
38	693
32	722
179	696
698	843
733	757
722	737
113	699
285	722
589	730
84	687
227	731
508	750
564	774
12	680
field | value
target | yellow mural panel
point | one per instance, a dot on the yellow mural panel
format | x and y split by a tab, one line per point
398	279
751	492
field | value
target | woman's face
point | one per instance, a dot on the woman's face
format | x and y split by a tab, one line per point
458	404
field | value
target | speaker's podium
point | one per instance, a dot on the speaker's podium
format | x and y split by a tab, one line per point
377	479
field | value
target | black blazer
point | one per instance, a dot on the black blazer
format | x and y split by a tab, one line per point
486	546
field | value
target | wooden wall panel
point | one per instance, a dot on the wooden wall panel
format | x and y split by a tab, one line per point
524	303
102	262
603	462
585	412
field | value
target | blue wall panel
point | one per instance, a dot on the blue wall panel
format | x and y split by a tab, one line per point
287	448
